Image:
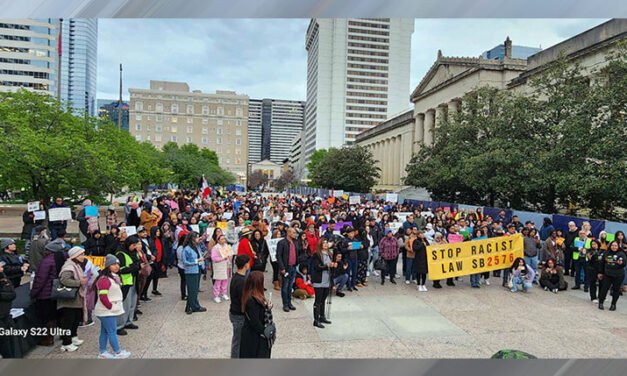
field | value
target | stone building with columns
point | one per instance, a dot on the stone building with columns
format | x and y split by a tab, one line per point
438	94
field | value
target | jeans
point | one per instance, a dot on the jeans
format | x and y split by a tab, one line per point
409	269
129	304
238	323
390	270
219	287
352	268
533	262
579	267
193	283
286	287
340	282
517	280
475	280
506	275
108	334
374	256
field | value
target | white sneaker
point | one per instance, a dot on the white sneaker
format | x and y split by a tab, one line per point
225	297
487	282
595	301
368	274
105	355
69	348
376	273
407	282
76	341
217	300
424	288
387	277
123	354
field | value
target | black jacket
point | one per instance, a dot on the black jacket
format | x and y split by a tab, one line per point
319	267
7	295
610	266
362	254
95	247
283	253
253	345
13	268
569	239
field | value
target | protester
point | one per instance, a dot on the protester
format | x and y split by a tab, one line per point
236	315
108	307
321	278
612	274
257	317
260	248
71	310
221	255
129	270
419	248
287	259
552	277
521	274
57	226
7	295
388	250
15	267
193	262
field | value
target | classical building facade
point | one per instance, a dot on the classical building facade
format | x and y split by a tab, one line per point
170	112
450	78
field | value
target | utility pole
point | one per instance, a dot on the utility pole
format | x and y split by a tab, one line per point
120	102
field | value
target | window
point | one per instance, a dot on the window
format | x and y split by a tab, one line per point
239	112
219	141
148	117
159	118
238	141
205	110
239	123
205	121
158	128
138	127
175	119
220	122
190	109
190	120
173	138
139	106
205	130
238	132
190	129
158	138
221	111
205	140
174	108
138	117
138	137
219	131
159	107
173	129
189	140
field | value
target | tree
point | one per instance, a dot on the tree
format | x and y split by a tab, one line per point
315	159
286	180
351	168
257	180
188	163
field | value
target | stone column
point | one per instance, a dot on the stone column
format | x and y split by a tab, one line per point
440	115
389	156
453	106
429	127
419	132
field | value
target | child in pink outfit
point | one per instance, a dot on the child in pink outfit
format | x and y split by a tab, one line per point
220	256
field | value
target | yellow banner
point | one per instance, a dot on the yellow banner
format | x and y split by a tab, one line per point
478	256
223	225
98	261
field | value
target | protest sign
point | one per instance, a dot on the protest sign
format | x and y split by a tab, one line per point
59	214
130	230
355	245
33	206
455	238
223	225
580	244
289	216
338	227
272	245
91	211
338	194
40	215
98	261
391	197
610	237
195	228
354	200
478	256
395	226
227	215
402	216
210	231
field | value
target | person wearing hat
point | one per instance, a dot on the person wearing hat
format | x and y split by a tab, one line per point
53	258
15	266
245	246
109	305
388	250
71	310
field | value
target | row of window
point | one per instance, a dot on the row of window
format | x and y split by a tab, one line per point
188	99
369	46
370	88
366	81
366	95
367	60
42	75
368	39
366	101
369	109
384	33
367	24
365	66
368	53
190	120
35	86
174	138
174	108
174	129
367	74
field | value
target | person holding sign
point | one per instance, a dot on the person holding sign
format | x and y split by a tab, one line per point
579	255
57	226
521	274
612	274
420	266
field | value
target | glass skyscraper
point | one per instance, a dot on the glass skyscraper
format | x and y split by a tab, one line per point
79	47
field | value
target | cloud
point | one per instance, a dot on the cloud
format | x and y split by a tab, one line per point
266	58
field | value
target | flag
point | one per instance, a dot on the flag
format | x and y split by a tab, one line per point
204	187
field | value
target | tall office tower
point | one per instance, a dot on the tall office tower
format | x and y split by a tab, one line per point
357	77
272	125
79	49
29	55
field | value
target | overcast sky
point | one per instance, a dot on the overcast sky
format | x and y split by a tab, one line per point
266	58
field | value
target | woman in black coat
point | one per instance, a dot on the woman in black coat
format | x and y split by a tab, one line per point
261	250
95	245
419	246
257	314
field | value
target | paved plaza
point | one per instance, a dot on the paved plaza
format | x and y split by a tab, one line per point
391	321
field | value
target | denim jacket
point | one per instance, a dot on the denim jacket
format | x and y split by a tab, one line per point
190	262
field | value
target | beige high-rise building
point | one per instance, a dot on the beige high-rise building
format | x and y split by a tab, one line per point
169	111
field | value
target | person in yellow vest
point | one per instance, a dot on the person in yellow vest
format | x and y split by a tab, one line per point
129	270
108	306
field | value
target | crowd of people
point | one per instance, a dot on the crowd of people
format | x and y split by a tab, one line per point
313	247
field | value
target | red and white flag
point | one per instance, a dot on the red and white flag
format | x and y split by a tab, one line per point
204	187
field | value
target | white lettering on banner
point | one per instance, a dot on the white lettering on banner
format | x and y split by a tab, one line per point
59	214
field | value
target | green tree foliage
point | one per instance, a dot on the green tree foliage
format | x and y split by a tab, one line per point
188	163
315	159
46	151
558	146
351	168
